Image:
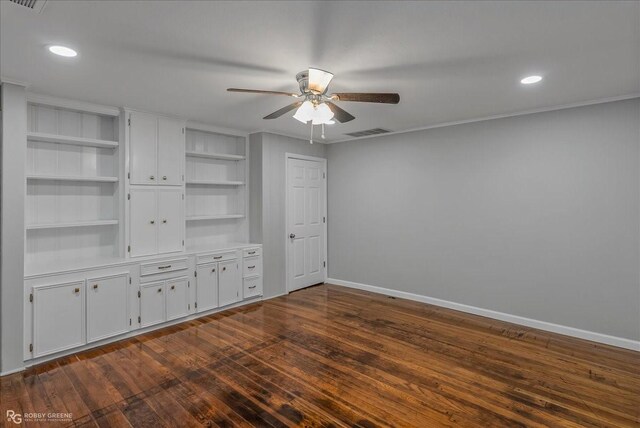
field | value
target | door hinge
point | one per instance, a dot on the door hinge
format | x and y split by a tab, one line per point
31	297
31	347
324	219
139	320
129	321
324	264
323	175
129	121
183	242
128	248
183	193
128	196
138	294
128	175
129	280
189	306
196	305
195	274
183	130
188	284
183	180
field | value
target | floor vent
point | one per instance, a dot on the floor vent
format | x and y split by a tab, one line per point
36	5
368	132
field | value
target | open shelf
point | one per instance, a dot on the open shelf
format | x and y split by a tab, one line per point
216	182
71	178
214	217
71	224
222	156
76	141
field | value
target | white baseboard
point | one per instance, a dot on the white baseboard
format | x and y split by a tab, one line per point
620	342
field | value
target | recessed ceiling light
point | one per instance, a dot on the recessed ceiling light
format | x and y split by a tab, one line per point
531	79
62	51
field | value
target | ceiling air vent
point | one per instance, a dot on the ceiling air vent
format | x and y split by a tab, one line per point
368	132
36	5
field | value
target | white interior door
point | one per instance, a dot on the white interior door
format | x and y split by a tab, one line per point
143	135
306	195
171	143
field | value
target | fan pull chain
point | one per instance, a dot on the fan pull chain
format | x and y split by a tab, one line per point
311	136
322	131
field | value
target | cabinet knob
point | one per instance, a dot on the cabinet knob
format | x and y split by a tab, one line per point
152	222
224	268
164	177
76	290
152	178
292	235
213	270
95	286
159	290
164	221
173	287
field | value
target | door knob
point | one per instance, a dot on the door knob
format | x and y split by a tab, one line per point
293	235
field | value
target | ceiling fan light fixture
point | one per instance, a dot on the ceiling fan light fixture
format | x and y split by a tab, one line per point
304	112
317	114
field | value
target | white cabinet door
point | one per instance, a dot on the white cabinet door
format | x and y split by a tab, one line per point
207	286
228	283
58	317
170	220
107	309
144	225
171	141
143	152
177	298
152	303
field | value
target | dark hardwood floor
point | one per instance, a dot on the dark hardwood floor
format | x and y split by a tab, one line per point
331	356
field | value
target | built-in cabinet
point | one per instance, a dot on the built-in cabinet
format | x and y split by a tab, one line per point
156	149
113	196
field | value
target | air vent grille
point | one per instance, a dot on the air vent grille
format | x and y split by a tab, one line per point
368	132
36	5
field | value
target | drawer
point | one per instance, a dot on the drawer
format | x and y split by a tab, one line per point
249	252
162	267
252	287
252	266
216	257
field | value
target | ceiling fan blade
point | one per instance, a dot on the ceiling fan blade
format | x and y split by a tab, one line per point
364	97
283	110
339	114
258	91
319	80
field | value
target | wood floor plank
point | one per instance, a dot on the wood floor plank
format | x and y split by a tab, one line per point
329	356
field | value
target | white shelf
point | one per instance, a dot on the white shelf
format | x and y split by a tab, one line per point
76	141
72	178
71	224
216	183
222	156
214	217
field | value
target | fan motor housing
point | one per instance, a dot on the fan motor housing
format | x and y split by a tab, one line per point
303	81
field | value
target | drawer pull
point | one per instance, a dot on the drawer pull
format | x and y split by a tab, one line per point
164	267
159	290
95	286
251	252
77	290
173	287
217	257
253	286
251	267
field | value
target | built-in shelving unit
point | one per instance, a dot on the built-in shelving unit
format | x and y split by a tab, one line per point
216	174
73	180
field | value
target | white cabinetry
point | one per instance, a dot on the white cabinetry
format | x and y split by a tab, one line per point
156	149
252	273
157	221
107	306
177	298
152	303
207	286
228	283
58	317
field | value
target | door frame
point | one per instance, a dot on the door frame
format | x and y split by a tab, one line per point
323	162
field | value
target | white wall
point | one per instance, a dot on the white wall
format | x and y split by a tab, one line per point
268	202
14	149
536	216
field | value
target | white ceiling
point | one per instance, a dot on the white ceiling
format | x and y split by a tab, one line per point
449	61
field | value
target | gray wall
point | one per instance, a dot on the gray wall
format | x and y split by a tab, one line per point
536	215
268	201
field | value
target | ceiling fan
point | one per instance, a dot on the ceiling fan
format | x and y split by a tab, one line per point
315	105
